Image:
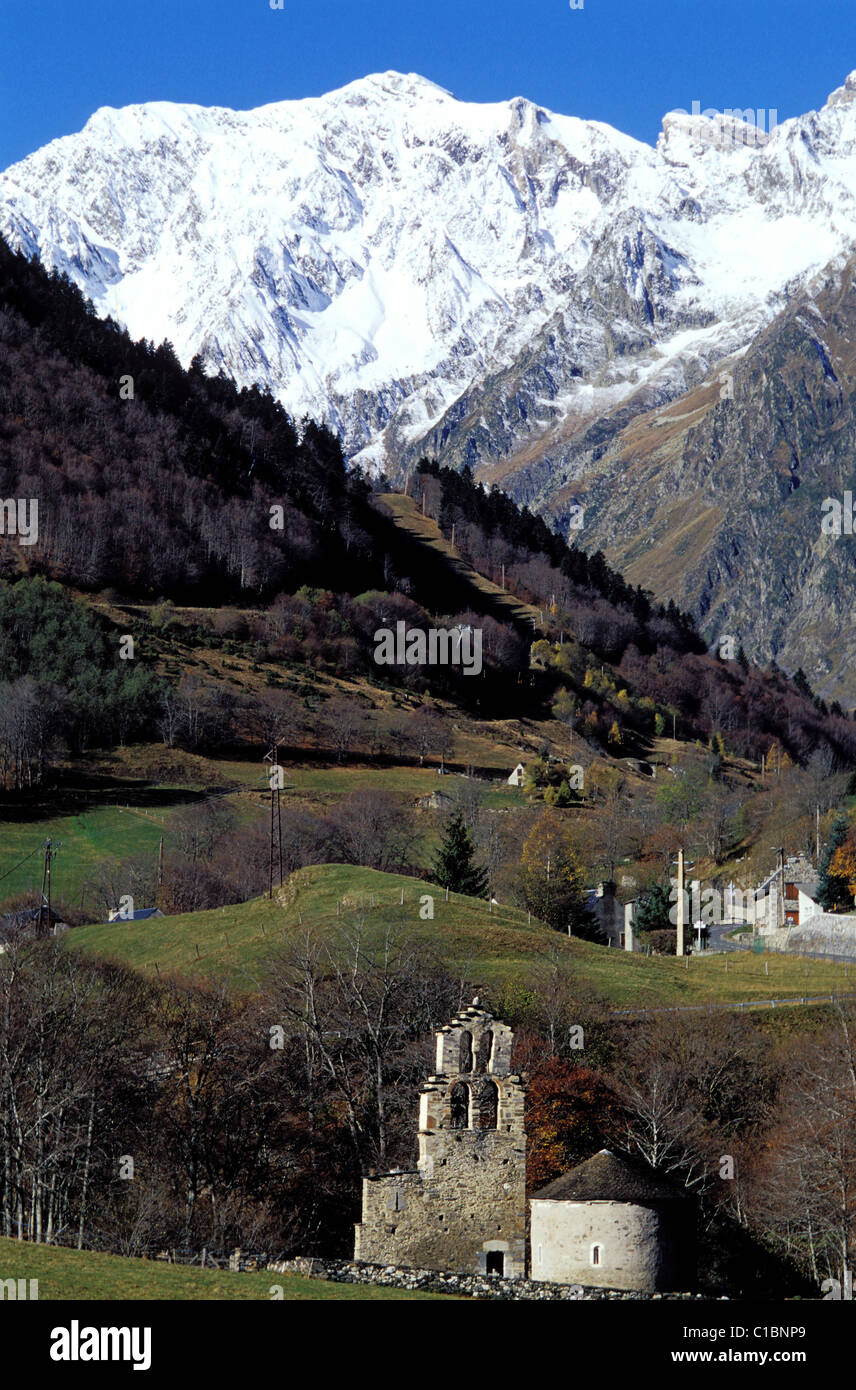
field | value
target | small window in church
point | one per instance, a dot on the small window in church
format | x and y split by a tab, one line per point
540	1254
465	1064
595	1254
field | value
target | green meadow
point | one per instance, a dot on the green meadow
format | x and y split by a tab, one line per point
84	1274
494	949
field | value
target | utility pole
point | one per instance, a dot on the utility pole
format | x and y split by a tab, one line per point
817	840
43	924
274	781
160	863
780	867
679	947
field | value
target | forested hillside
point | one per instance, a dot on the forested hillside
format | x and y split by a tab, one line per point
155	482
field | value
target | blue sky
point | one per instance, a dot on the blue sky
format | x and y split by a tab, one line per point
621	61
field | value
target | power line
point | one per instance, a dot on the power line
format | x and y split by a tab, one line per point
275	783
23	861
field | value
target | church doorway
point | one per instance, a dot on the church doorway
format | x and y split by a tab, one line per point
495	1262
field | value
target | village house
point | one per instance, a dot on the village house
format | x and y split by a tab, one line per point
26	923
794	885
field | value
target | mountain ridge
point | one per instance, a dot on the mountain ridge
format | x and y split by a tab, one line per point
104	238
496	284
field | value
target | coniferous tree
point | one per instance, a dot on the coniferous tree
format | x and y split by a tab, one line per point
832	889
454	867
653	909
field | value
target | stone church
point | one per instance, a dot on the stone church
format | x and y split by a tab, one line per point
610	1222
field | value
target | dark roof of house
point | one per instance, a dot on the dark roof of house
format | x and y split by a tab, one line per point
13	922
610	1177
139	915
31	914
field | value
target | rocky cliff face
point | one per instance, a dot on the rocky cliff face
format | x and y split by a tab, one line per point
537	295
718	498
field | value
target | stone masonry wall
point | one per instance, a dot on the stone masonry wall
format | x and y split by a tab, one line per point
646	1248
464	1285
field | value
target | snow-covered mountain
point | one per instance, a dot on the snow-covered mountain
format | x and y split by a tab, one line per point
664	335
376	255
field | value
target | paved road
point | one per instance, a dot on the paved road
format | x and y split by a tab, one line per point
718	942
717	939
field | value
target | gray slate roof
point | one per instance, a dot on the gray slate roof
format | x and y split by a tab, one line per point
610	1177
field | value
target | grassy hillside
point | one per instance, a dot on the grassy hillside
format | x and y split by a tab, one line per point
493	949
102	834
98	819
83	1274
237	942
639	982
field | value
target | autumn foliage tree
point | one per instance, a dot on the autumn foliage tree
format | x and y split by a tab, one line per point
842	867
570	1111
835	865
551	881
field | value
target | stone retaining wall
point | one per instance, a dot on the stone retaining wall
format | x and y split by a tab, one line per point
825	934
468	1285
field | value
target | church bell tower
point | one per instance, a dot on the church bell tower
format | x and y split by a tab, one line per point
463	1208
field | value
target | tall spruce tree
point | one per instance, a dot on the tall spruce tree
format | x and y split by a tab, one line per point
454	867
832	890
653	909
